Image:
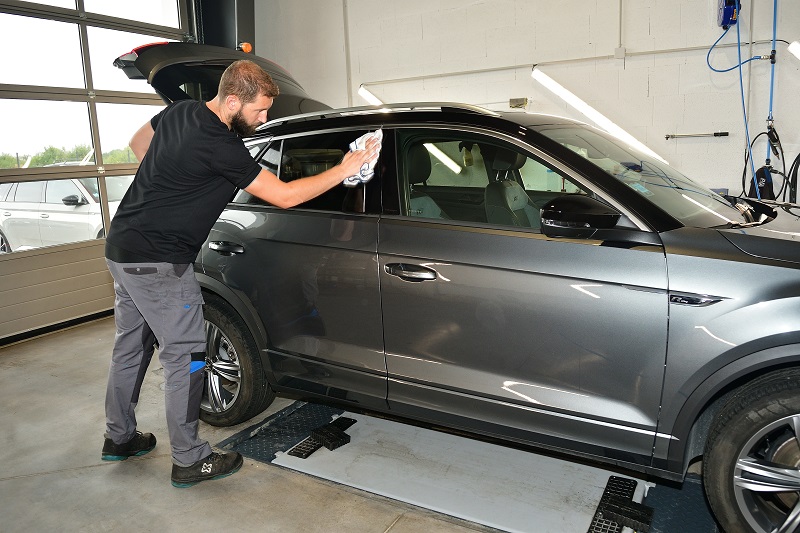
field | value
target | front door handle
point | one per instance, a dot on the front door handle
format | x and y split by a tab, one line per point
226	248
410	272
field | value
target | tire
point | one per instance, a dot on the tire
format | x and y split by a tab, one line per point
235	388
751	465
4	246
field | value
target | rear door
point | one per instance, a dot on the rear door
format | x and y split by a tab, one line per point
21	215
508	330
312	274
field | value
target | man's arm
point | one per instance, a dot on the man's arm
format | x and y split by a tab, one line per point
269	188
140	141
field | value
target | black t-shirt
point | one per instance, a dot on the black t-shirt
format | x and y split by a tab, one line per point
189	174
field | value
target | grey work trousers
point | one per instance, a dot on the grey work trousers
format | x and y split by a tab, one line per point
158	302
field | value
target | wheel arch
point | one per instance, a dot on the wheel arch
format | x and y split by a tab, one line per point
704	403
244	309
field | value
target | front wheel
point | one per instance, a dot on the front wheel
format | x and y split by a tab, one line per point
751	466
235	388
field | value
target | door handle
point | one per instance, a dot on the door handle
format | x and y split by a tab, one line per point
44	215
226	248
410	272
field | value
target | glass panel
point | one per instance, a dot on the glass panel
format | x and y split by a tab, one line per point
118	123
107	45
71	211
473	178
689	202
69	4
59	135
117	186
53	61
161	12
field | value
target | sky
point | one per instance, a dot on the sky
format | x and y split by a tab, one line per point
29	126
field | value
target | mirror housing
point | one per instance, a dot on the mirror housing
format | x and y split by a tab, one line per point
577	216
74	200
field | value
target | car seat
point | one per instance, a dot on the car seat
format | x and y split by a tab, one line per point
418	170
505	200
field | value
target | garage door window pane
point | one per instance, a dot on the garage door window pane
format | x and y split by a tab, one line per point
118	123
107	45
54	60
161	12
69	4
41	133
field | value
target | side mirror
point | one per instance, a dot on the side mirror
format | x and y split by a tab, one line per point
74	200
577	216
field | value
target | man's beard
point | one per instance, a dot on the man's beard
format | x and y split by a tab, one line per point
240	126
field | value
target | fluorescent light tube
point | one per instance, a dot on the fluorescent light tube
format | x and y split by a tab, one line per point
443	157
794	49
368	96
591	113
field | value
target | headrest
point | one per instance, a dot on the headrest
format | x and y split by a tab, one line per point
507	160
419	164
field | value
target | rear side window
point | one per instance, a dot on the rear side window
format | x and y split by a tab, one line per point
29	191
301	157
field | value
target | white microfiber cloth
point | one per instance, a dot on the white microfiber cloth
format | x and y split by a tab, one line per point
368	168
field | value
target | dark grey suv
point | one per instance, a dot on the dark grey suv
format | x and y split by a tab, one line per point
524	277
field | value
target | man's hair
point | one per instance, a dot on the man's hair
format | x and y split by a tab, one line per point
247	81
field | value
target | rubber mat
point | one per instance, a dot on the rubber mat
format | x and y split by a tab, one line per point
682	508
504	488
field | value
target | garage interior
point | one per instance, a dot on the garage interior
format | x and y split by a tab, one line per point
649	67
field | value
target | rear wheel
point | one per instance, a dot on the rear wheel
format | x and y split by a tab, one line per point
235	388
751	466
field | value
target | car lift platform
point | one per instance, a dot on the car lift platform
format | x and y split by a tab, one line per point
489	484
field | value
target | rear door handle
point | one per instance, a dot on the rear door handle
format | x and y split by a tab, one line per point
410	272
226	248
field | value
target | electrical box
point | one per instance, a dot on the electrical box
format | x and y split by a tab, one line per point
728	13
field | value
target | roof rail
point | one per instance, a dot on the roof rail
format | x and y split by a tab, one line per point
384	108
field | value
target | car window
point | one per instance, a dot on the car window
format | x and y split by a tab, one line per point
309	155
687	201
4	188
474	178
29	191
57	190
116	186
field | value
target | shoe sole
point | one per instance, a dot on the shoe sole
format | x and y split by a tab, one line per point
187	484
109	457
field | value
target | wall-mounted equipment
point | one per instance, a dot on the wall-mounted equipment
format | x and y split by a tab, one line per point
728	13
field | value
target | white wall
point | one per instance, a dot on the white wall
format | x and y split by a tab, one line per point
481	52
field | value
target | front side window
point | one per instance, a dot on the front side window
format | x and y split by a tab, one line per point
475	178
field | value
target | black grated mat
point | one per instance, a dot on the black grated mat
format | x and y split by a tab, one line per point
683	508
281	431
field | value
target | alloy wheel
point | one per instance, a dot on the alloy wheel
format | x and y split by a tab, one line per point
767	477
223	373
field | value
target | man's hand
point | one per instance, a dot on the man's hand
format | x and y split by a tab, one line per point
353	161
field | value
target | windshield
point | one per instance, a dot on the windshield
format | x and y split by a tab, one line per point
689	202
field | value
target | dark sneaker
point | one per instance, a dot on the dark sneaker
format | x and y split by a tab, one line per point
140	444
214	466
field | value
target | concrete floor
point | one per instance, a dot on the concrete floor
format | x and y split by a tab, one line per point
52	479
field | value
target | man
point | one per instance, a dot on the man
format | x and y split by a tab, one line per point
192	161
